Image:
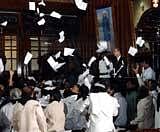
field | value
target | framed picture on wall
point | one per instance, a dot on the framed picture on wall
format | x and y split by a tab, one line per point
104	26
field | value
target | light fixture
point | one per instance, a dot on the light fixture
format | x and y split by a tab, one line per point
155	3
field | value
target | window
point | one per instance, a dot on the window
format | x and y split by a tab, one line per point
10	46
38	48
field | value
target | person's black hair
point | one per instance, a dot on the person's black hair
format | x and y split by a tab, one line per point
27	95
83	92
55	95
143	92
153	84
97	89
30	82
116	87
134	82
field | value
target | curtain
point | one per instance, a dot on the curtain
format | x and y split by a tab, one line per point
123	24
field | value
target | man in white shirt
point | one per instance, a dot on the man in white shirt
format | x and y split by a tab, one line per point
102	109
147	73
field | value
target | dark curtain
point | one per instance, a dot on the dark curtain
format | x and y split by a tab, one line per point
123	24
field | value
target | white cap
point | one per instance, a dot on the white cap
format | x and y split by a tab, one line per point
102	46
49	88
41	22
106	60
27	58
32	6
61	36
55	65
68	51
42	3
31	78
49	83
99	85
92	59
1	65
132	51
81	5
55	14
4	24
57	55
140	41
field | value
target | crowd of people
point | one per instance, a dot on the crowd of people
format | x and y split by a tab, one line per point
101	98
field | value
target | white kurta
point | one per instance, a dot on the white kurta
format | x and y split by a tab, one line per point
102	109
32	118
55	116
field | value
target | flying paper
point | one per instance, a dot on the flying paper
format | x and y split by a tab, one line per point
4	24
41	14
38	10
84	65
147	45
81	5
82	77
102	46
140	41
132	51
55	14
87	83
41	22
32	6
91	61
1	65
106	60
57	55
62	37
28	57
68	51
42	3
55	65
